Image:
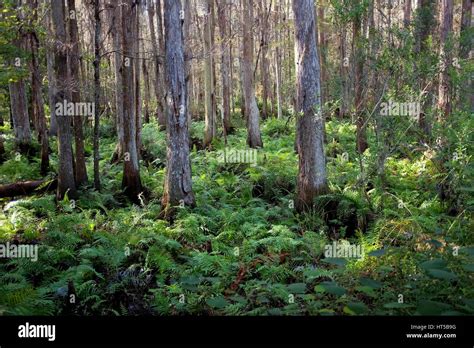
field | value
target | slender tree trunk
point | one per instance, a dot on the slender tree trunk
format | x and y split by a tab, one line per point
323	51
178	185
407	13
464	49
358	86
158	88
146	96
344	74
264	12
97	108
53	127
36	98
131	182
424	25
445	83
18	99
188	54
136	80
312	179
66	182
74	62
118	62
223	20
278	65
210	111
254	139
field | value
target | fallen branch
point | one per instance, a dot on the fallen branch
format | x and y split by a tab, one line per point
27	187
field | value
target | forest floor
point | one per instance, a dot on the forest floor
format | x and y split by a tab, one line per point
244	250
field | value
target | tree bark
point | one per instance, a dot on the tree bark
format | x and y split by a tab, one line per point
27	187
209	91
254	139
66	182
312	178
407	13
223	20
344	74
36	98
158	88
18	99
97	59
445	83
131	182
358	100
178	185
74	63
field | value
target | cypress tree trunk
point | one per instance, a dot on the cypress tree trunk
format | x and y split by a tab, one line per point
66	182
312	179
178	185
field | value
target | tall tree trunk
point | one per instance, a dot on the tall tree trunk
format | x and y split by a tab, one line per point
358	86
74	63
66	182
264	12
465	47
18	99
424	25
97	108
254	139
323	52
119	61
210	110
222	8
407	13
344	73
178	185
36	98
131	182
445	83
278	64
312	179
136	80
146	96
53	127
19	112
158	88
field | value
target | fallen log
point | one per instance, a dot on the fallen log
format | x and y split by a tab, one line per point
23	188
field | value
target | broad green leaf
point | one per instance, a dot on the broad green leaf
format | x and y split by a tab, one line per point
217	302
469	267
331	288
356	308
434	264
440	274
467	251
297	288
340	262
427	307
370	283
366	290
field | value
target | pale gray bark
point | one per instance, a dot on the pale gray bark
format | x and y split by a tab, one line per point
312	177
178	185
254	139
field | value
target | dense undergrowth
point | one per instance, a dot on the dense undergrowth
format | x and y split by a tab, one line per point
244	250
